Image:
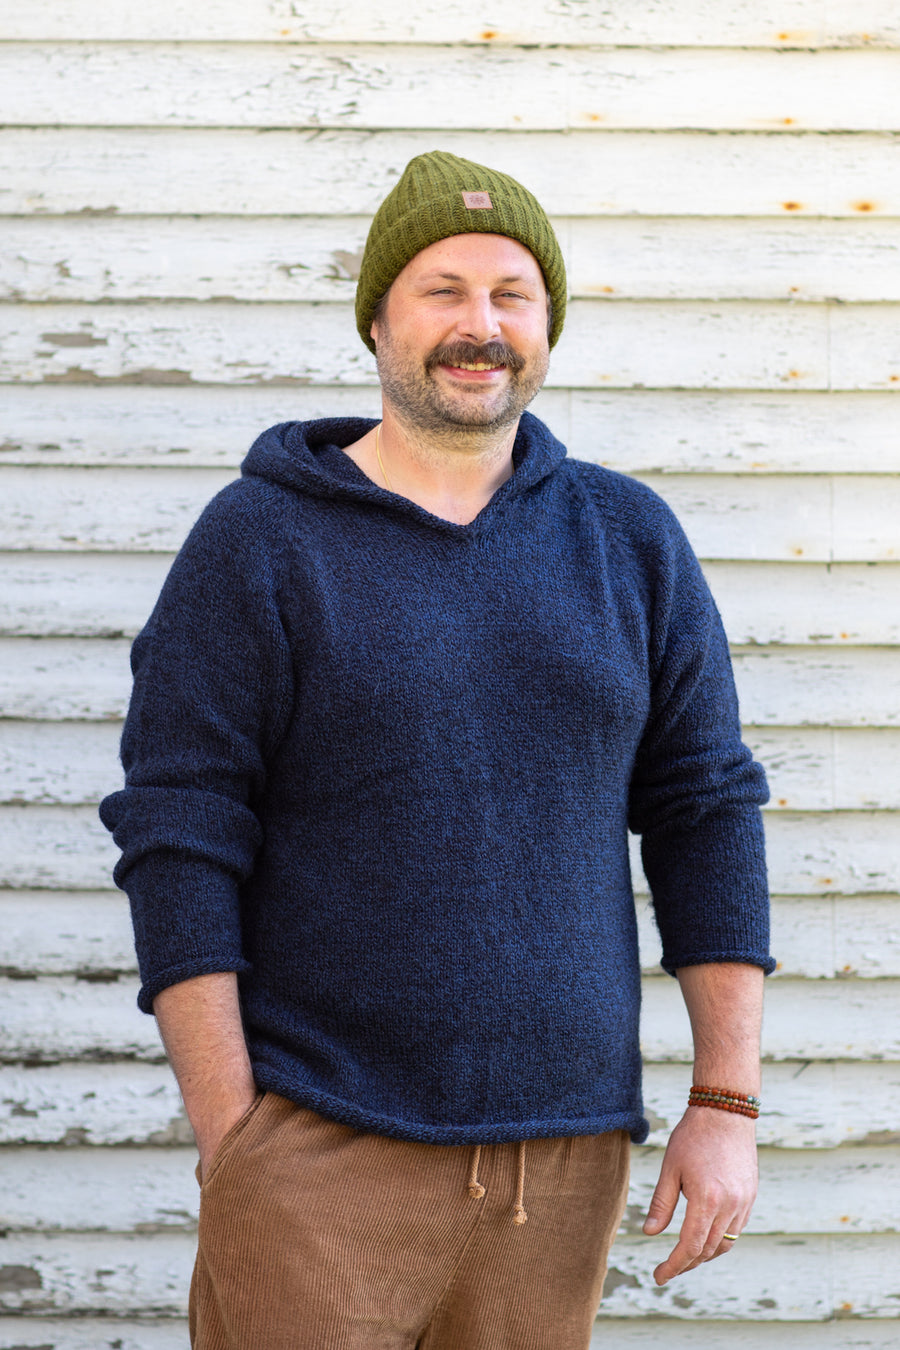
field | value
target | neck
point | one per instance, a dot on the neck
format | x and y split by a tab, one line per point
452	475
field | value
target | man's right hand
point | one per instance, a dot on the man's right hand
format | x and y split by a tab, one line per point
213	1133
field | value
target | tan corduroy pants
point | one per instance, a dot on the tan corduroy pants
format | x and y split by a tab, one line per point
316	1237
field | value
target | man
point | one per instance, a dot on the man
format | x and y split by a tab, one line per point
406	687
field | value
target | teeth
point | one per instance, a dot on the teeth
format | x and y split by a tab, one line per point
478	365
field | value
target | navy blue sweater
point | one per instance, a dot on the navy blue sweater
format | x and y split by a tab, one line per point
384	766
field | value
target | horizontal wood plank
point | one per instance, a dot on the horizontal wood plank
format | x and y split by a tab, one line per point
791	23
89	679
612	344
804	1019
820	519
125	1274
841	1334
631	431
121	1275
766	1279
154	171
78	1019
818	687
365	86
807	1104
823	769
836	853
776	603
121	1190
58	933
130	1102
720	258
108	1333
851	1190
89	933
620	345
65	679
808	768
61	1017
314	258
78	595
841	605
814	937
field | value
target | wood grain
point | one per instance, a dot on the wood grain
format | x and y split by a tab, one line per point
820	519
124	1274
88	933
154	171
808	768
790	23
111	596
53	679
78	1189
56	1017
377	86
316	258
628	430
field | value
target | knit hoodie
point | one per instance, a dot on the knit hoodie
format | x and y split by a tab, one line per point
384	767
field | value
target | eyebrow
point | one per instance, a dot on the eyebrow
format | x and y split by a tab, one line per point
453	276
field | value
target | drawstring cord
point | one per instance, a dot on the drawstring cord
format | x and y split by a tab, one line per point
476	1190
519	1215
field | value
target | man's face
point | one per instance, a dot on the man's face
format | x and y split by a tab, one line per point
462	334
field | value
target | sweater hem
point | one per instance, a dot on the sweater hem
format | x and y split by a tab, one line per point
425	1132
188	970
740	958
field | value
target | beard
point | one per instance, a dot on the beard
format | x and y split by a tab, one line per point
410	385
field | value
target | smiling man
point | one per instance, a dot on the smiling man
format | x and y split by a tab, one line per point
407	687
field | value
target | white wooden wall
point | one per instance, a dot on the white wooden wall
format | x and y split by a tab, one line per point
184	191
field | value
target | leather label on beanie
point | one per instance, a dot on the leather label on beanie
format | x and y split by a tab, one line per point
478	201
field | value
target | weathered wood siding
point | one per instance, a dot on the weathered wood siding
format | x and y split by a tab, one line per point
184	192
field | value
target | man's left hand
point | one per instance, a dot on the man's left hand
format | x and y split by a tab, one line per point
711	1159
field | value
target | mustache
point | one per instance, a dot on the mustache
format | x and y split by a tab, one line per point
469	353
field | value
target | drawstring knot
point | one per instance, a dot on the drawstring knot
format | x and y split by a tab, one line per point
477	1191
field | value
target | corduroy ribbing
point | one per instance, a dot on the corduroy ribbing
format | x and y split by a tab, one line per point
316	1237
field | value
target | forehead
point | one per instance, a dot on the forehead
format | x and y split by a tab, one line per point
489	257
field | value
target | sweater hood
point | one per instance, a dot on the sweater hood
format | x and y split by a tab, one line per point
295	455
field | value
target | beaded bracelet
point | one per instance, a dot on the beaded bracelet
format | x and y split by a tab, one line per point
741	1103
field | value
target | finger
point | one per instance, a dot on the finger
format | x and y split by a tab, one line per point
717	1244
662	1204
701	1239
685	1255
728	1239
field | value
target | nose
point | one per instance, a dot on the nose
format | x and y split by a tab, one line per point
478	320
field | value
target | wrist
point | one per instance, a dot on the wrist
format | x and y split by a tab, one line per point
719	1098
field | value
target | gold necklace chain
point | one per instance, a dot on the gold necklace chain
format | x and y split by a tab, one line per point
380	460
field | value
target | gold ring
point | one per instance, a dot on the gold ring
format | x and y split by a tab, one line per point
732	1237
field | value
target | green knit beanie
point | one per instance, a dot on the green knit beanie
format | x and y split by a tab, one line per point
440	195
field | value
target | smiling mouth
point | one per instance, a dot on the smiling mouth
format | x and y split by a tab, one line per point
476	365
478	359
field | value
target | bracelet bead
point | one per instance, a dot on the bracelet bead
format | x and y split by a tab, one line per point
725	1099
